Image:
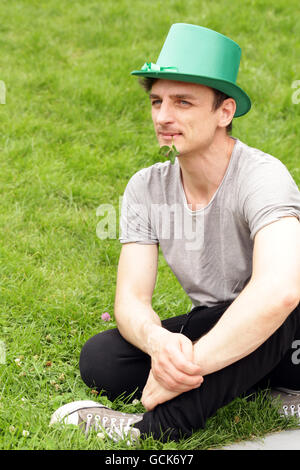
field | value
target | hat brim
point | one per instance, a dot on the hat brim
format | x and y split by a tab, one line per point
243	102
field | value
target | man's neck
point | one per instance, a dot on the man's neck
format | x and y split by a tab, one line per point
203	173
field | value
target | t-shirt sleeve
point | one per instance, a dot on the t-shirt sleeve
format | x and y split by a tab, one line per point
135	221
267	194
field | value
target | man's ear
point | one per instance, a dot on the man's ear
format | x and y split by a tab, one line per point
227	111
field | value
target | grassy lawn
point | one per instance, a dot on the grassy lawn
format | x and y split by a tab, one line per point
74	128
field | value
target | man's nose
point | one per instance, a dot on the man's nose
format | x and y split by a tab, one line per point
165	114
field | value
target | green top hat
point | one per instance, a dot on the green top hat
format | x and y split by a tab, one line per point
200	55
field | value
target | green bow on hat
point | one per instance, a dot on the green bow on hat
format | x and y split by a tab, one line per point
200	55
150	67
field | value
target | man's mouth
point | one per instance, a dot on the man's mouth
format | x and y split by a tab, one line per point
169	135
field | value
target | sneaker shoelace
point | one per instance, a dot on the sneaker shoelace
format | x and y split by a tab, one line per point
291	410
114	428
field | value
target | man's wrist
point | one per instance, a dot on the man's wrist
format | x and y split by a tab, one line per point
152	333
200	358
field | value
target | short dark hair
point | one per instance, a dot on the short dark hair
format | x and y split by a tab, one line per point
148	82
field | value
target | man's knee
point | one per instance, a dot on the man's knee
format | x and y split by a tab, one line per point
108	362
94	359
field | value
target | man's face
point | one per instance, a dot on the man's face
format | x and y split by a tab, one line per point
182	113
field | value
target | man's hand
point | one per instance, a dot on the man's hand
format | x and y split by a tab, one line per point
172	357
154	393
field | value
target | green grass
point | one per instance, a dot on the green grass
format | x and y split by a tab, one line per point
74	128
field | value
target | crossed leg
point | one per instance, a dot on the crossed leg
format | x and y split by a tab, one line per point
108	362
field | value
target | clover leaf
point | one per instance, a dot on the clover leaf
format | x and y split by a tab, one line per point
169	152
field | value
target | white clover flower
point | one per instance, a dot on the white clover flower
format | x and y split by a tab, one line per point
135	402
101	435
25	433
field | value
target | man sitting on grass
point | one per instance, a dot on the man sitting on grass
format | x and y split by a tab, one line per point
226	217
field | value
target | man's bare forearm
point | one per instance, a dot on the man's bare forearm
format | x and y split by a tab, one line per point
137	322
249	321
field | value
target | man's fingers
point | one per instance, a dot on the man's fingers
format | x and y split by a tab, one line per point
184	365
175	380
174	368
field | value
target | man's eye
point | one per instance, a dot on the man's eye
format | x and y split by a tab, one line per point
155	102
185	103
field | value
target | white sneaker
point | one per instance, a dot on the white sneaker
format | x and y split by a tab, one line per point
289	400
88	414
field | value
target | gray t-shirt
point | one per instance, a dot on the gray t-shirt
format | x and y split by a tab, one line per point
209	250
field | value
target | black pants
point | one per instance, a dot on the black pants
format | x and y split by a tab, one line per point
110	363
